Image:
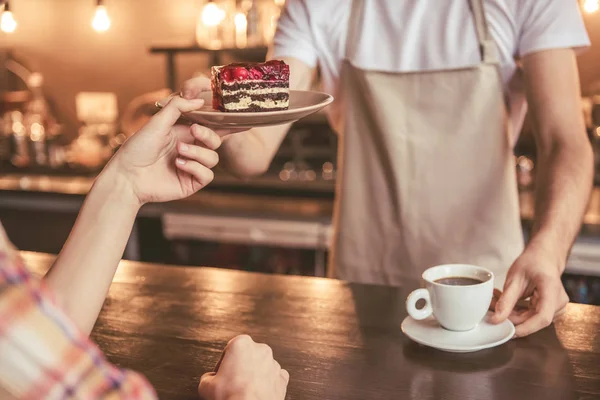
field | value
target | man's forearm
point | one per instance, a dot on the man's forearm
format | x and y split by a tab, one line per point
83	271
563	185
250	153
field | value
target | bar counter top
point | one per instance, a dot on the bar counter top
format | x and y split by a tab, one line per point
23	190
337	340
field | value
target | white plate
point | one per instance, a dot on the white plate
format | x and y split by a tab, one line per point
429	333
302	104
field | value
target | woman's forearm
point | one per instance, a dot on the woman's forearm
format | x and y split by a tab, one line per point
83	271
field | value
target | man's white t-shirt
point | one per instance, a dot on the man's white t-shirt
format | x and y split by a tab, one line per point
417	35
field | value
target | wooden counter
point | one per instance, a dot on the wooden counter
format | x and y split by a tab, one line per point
338	340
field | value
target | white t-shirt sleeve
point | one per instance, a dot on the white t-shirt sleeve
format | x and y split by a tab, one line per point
550	24
293	37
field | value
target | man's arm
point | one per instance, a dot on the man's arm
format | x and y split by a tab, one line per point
564	154
563	184
250	153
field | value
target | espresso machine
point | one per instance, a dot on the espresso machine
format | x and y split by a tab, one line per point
30	136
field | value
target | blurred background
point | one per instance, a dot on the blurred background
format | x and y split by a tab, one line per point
77	77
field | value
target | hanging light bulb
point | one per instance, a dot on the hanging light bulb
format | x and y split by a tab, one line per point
241	29
7	21
591	6
212	14
101	21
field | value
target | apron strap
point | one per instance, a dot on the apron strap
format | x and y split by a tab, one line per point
354	27
486	43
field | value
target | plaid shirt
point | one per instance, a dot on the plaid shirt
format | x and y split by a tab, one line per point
42	353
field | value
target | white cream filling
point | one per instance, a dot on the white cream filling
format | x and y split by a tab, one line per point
245	102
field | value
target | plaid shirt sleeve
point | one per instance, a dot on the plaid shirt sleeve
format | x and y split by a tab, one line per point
43	354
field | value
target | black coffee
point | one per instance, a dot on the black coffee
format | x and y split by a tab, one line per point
458	281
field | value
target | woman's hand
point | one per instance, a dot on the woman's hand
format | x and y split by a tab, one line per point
164	161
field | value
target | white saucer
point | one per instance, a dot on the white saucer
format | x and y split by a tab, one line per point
302	104
429	333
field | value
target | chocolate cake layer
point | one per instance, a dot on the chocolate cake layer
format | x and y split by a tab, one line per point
233	98
256	108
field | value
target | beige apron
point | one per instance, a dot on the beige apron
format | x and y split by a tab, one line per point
427	169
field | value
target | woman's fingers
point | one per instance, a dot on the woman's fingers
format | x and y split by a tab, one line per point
163	120
206	157
201	174
205	136
199	157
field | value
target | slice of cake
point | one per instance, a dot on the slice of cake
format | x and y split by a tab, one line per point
251	87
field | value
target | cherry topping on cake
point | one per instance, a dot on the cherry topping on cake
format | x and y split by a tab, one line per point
240	73
255	73
229	82
226	75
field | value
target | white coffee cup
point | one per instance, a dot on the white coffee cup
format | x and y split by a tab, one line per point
456	307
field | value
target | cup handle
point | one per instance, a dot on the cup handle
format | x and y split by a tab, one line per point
411	304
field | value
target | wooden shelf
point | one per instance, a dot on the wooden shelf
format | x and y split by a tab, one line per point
198	49
170	51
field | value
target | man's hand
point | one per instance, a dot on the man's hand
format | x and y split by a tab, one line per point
534	275
247	371
192	88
